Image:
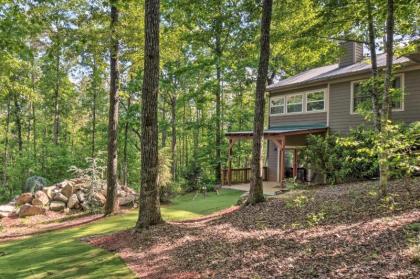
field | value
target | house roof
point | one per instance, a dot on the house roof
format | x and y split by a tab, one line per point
284	130
329	72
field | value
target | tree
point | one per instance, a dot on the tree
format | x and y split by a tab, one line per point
113	115
256	189
149	209
386	102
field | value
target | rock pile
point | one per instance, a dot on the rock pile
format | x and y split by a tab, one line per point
70	195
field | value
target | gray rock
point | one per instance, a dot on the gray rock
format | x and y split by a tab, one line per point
73	201
30	210
67	189
24	198
7	210
81	196
60	197
57	206
127	200
34	183
43	197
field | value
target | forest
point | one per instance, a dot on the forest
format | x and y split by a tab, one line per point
140	95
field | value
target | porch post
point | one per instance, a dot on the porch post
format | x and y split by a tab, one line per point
229	174
282	159
295	164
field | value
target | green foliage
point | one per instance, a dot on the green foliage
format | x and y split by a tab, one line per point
353	157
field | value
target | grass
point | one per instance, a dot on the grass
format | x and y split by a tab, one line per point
61	254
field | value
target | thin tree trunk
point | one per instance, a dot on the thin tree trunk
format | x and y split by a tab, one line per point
218	52
56	97
173	136
18	121
125	159
94	87
256	189
149	209
374	70
6	145
34	138
386	103
112	168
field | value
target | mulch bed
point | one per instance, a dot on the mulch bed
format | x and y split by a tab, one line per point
343	231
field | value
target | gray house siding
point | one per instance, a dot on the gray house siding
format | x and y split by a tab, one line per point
341	120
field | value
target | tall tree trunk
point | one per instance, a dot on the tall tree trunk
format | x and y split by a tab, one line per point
6	144
256	189
125	159
149	195
94	87
173	136
34	138
56	131
18	121
386	102
374	70
218	53
113	115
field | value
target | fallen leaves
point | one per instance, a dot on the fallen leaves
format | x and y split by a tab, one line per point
357	237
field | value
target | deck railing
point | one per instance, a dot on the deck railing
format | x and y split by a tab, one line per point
239	175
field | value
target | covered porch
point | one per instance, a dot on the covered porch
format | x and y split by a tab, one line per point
284	144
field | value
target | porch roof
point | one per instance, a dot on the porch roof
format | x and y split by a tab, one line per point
284	130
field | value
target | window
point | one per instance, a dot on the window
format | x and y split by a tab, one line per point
276	105
315	101
295	103
361	99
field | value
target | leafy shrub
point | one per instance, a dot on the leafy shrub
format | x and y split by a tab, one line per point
354	157
193	177
165	184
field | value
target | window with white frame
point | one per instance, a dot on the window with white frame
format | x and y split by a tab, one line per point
294	103
277	105
361	99
315	101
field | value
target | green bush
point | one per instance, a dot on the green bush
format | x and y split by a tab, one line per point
354	157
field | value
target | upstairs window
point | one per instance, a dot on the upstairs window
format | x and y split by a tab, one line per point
361	99
276	105
295	103
315	101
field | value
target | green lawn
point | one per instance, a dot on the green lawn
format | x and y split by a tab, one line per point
60	254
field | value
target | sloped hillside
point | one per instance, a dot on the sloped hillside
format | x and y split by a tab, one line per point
343	231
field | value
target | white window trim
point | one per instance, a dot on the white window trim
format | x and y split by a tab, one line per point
284	105
304	98
352	112
303	103
308	102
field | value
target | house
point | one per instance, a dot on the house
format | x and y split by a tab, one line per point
320	100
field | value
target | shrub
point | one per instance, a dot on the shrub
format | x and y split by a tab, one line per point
353	157
165	184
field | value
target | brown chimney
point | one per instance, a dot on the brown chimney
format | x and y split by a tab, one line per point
352	52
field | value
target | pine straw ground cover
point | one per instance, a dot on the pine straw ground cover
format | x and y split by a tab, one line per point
342	231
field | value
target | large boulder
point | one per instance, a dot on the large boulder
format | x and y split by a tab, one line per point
30	210
128	200
60	197
73	202
42	197
67	190
34	183
24	198
57	205
7	210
